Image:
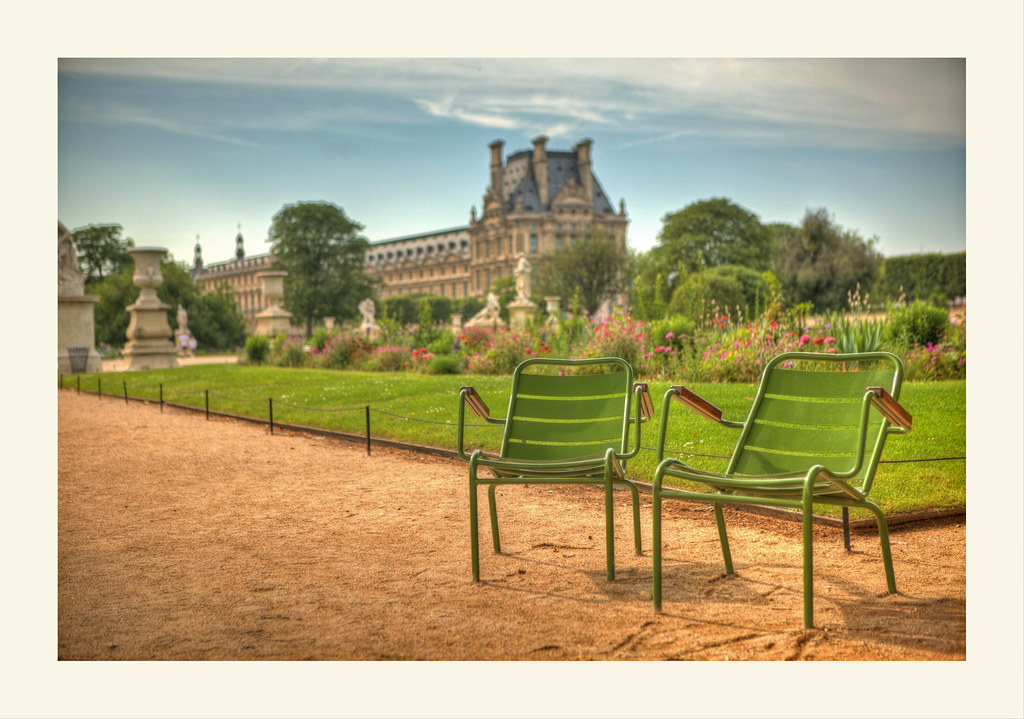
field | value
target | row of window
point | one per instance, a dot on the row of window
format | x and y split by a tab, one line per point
443	290
415	251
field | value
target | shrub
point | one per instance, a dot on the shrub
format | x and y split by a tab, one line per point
935	362
257	348
617	336
917	324
319	339
289	352
344	349
389	358
444	364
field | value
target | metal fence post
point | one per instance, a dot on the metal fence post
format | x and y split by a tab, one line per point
367	430
124	383
78	383
207	405
270	404
99	388
161	396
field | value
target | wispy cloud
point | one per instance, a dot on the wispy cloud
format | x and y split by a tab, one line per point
850	102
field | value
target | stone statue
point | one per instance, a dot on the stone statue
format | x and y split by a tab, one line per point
182	320
489	316
70	280
368	310
522	273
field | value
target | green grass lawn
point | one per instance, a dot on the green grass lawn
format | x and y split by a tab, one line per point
427	409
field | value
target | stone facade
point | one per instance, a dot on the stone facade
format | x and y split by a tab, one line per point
538	201
239	274
436	263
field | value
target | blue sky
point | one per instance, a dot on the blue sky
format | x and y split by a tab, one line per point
173	148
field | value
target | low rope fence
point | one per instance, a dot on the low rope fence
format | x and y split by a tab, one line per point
367	410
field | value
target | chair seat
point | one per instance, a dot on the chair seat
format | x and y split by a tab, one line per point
780	486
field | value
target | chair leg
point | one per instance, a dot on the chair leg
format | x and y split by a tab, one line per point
493	509
638	545
609	530
808	541
883	536
723	538
474	543
656	548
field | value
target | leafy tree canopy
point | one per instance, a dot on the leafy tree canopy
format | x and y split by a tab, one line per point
596	268
713	232
820	262
101	250
323	253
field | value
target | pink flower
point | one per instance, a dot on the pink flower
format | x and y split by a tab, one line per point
670	335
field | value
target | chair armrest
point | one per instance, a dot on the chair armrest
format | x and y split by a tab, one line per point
644	401
890	408
476	402
697	403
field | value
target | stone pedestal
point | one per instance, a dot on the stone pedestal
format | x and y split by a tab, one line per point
76	335
274	320
554	312
149	333
520	312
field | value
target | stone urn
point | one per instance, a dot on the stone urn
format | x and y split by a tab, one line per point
149	333
274	319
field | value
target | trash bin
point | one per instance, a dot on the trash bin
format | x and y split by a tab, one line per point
79	358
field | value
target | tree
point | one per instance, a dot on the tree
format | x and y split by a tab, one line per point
596	268
101	251
821	263
323	253
714	232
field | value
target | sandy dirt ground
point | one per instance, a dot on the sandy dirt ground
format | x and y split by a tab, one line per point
181	538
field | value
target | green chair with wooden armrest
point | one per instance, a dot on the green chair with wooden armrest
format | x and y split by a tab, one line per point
573	427
814	435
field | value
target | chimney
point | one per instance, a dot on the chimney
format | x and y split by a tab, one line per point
583	167
497	173
540	168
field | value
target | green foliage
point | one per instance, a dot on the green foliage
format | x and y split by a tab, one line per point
857	334
917	324
257	349
617	336
389	358
114	293
596	269
101	251
935	278
323	253
318	340
714	232
737	290
288	352
342	349
444	364
820	262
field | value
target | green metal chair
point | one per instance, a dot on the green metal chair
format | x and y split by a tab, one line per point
566	428
814	435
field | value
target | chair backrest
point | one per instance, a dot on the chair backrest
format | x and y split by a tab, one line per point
577	414
808	410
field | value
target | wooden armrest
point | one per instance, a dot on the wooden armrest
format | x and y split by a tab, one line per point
646	404
697	403
890	408
476	402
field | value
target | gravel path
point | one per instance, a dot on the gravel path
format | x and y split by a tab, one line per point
181	538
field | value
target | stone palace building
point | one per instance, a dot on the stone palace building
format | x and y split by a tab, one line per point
538	201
